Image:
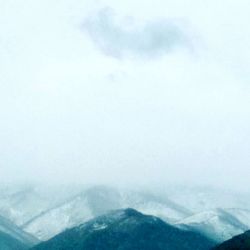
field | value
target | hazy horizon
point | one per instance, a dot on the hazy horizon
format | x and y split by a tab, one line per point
129	92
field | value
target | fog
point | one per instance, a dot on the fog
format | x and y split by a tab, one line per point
132	92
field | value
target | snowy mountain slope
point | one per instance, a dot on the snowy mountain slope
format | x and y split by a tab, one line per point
47	211
125	230
21	203
200	199
219	224
58	219
152	203
96	201
242	215
16	233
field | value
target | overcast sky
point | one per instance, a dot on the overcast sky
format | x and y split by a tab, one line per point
135	91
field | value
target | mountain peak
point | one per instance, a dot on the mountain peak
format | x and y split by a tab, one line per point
127	229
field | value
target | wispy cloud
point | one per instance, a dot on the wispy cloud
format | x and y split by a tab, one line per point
119	38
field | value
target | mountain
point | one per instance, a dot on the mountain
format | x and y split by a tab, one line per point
47	211
218	224
199	199
125	230
9	243
14	238
10	230
240	242
21	203
96	201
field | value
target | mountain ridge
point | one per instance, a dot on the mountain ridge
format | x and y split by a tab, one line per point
126	229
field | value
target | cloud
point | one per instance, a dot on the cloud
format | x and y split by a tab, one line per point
68	113
129	37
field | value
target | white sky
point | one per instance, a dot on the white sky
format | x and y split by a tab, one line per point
151	91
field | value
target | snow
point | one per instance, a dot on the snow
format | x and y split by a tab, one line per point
60	218
45	212
97	226
15	232
221	224
93	202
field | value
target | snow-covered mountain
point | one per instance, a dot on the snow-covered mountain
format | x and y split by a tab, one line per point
14	238
21	203
125	230
45	212
95	201
15	232
200	199
218	224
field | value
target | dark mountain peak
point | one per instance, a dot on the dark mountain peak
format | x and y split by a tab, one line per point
126	229
239	242
123	213
124	217
131	212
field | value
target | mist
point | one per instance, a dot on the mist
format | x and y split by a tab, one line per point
131	93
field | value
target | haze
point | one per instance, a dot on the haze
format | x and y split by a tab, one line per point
133	92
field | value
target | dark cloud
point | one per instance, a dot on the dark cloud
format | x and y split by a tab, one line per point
150	39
